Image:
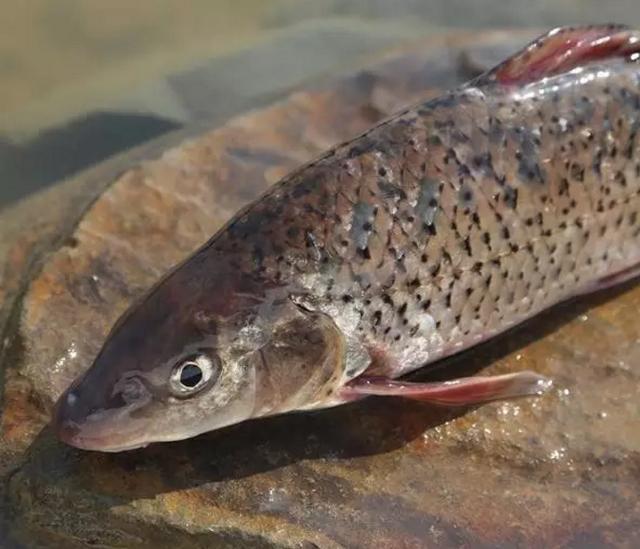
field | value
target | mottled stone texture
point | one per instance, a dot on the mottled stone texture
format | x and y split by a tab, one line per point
563	470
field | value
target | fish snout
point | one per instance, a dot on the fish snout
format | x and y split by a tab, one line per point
82	426
66	418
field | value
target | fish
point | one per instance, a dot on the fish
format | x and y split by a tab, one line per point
443	226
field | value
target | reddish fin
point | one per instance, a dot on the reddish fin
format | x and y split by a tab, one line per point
563	49
458	392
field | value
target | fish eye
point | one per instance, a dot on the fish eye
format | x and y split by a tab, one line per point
190	375
193	373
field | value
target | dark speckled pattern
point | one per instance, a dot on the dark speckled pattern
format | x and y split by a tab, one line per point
460	217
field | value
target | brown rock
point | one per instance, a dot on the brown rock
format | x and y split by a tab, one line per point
563	470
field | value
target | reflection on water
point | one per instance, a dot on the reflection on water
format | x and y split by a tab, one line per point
63	59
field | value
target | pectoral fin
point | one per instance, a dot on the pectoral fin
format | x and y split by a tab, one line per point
458	392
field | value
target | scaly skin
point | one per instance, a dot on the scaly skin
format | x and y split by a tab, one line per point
458	218
439	228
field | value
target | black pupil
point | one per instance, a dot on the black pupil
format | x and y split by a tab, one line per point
191	375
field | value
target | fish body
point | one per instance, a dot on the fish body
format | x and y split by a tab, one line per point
439	228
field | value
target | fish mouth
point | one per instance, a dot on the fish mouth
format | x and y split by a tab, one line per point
94	434
72	434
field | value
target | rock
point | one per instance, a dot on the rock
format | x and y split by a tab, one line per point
563	470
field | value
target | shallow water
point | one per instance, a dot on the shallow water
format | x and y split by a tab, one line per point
81	81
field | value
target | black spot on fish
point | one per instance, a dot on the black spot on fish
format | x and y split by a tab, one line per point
466	195
563	188
511	197
483	161
466	244
363	145
621	179
451	154
429	228
577	172
530	170
463	171
365	252
528	167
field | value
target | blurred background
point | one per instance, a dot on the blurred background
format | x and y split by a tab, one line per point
81	80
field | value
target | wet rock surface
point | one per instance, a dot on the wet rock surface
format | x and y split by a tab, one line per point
562	470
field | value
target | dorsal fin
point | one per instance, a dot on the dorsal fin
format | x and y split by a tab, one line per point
563	49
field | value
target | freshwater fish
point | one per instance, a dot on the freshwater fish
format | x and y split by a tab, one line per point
443	226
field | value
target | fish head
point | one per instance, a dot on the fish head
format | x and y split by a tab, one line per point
207	347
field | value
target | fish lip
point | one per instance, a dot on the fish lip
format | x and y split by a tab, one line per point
74	434
71	433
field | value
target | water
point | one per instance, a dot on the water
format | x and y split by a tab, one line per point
81	81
